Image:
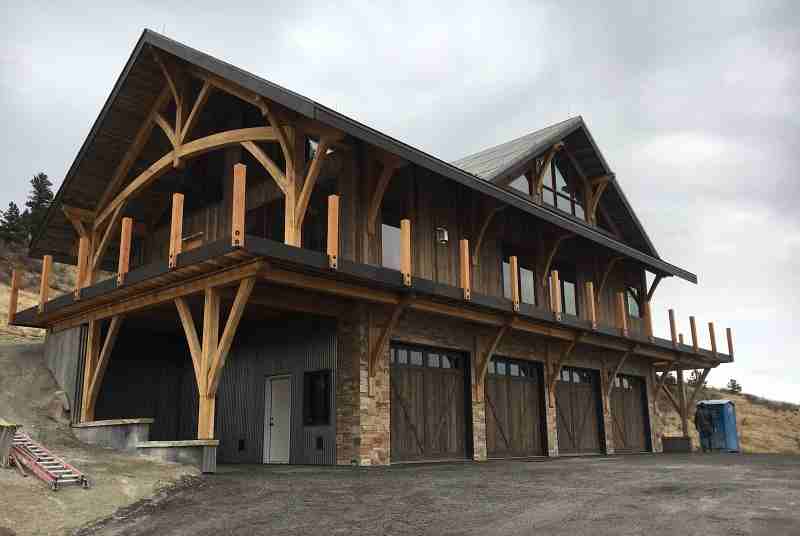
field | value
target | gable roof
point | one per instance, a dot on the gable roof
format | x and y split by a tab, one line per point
510	159
132	95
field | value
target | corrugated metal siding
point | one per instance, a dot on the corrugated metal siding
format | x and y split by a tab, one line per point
151	375
297	345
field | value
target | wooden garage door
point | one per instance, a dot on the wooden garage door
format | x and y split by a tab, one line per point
628	414
427	407
578	408
514	413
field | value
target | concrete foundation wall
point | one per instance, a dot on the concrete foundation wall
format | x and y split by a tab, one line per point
63	353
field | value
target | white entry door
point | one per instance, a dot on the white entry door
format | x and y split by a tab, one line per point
277	419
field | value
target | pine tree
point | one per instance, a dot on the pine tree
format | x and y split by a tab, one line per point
12	225
39	200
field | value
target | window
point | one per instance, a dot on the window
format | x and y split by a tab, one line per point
421	357
317	398
513	368
632	297
569	291
311	149
390	246
556	191
527	283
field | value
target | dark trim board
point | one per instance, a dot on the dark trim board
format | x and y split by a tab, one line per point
316	111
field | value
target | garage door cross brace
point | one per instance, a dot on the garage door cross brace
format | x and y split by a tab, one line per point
383	341
555	370
617	369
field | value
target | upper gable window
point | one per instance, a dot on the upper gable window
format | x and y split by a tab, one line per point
557	192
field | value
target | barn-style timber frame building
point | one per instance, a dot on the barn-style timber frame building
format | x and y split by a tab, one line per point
269	279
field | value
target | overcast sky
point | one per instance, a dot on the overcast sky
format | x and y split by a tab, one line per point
696	108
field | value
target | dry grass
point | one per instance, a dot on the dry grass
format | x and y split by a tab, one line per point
764	425
62	281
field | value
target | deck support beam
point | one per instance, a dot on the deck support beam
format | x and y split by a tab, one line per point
98	354
555	368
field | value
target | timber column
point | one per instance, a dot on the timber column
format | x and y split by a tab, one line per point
478	384
652	411
551	411
606	388
375	396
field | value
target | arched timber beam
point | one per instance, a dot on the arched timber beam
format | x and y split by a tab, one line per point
538	182
606	273
391	164
487	220
189	150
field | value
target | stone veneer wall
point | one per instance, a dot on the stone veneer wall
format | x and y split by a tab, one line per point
351	340
373	419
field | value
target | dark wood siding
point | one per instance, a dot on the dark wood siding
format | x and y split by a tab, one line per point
514	416
629	414
579	415
428	420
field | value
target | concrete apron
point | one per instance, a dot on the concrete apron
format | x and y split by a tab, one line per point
132	435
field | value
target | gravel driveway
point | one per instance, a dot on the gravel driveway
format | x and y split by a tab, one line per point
646	494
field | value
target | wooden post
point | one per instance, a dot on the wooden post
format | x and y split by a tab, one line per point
44	285
333	232
730	341
405	251
680	338
124	250
555	294
648	319
176	229
513	267
238	209
682	403
207	404
464	268
83	265
713	337
693	326
622	314
673	331
13	297
89	366
590	303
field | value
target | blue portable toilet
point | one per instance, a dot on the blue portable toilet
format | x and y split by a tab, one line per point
725	436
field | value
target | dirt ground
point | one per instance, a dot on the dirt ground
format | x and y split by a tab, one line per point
646	494
27	506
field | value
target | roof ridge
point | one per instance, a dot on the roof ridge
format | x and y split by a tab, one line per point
517	139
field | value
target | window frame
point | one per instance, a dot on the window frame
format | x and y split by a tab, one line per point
549	186
505	267
310	416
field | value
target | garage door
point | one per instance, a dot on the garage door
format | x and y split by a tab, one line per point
629	415
428	389
579	414
514	423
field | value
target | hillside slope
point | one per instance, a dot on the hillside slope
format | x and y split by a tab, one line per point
764	425
28	394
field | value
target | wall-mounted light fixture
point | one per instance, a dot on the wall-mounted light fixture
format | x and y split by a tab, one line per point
441	236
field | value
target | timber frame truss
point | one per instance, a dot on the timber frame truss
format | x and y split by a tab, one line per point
296	181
